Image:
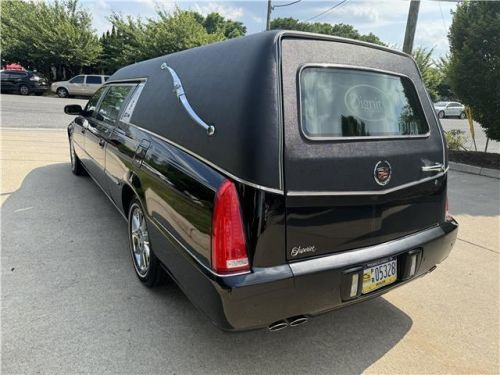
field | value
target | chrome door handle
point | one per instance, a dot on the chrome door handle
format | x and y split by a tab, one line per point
433	168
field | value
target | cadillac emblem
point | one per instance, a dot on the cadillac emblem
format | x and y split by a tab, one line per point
382	172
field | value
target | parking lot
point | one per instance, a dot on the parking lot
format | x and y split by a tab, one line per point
70	301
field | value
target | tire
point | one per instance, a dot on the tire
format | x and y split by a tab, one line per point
147	266
62	92
441	114
24	90
462	115
76	164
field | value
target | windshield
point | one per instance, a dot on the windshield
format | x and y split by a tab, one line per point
337	102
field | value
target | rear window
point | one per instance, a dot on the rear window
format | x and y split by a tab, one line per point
94	80
336	103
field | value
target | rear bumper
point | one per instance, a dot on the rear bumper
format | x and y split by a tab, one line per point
308	287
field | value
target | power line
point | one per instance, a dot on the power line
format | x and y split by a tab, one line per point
285	5
326	11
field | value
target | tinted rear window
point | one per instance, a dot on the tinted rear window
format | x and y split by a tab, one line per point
337	102
94	80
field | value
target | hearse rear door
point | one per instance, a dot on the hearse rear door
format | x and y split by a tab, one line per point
364	157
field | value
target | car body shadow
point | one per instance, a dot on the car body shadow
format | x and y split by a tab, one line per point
71	302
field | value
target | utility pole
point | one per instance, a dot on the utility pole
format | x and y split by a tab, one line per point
411	25
269	9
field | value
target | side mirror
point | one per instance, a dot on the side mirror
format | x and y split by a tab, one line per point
73	109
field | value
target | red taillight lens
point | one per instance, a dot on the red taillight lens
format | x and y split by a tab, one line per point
229	252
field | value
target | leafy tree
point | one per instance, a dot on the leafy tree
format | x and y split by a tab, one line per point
41	35
135	39
474	68
339	29
431	74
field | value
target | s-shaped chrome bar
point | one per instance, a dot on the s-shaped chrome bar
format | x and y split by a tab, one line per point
179	91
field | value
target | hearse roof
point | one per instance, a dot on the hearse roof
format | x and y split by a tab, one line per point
234	86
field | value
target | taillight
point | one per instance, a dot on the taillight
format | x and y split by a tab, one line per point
229	251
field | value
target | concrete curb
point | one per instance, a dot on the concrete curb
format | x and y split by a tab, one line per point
472	169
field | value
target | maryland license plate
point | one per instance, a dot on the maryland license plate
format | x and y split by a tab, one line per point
379	275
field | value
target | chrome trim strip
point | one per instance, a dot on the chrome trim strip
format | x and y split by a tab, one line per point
181	95
361	68
160	227
221	170
128	80
375	192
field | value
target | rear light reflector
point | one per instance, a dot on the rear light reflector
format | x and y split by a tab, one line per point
447	216
229	251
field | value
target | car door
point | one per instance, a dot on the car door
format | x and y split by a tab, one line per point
453	109
124	149
100	128
82	125
92	84
5	81
75	85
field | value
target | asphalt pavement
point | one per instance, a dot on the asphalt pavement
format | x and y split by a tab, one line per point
70	302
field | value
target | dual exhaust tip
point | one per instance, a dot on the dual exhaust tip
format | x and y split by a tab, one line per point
289	322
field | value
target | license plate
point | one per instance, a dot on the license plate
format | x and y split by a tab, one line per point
378	275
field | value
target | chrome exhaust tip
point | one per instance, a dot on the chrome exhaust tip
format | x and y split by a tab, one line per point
278	326
297	320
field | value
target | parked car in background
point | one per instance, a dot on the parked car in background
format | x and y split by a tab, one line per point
450	109
81	85
339	197
23	82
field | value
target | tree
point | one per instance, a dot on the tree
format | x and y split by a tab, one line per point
41	35
135	39
474	68
431	74
339	29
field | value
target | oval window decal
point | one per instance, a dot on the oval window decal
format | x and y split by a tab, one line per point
366	102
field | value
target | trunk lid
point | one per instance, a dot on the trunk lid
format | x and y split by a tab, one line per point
363	152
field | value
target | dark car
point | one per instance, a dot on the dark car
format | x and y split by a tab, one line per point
23	82
274	177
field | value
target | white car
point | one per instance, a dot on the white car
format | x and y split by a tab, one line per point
450	109
81	85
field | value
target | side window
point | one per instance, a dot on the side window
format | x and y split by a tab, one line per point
112	102
92	103
94	80
77	79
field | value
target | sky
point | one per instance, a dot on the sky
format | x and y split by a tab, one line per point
384	18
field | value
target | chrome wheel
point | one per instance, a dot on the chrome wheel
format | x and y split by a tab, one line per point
139	240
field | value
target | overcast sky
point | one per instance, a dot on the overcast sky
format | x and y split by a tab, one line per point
384	18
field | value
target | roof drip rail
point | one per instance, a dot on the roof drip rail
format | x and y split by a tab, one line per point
181	95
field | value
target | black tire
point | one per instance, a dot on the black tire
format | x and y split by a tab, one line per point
24	90
62	92
441	114
462	115
153	275
76	164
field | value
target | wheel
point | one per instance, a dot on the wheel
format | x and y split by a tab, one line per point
146	265
24	90
62	92
441	114
76	164
462	115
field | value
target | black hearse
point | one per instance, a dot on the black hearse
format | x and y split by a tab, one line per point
274	177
